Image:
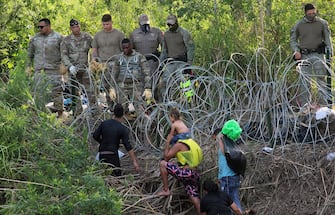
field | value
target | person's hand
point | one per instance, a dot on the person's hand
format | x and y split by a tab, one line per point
147	94
136	166
297	55
73	70
131	107
112	94
29	71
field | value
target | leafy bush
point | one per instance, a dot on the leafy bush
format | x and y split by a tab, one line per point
45	167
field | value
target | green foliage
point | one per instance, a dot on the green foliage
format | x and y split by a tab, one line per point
51	174
220	28
44	164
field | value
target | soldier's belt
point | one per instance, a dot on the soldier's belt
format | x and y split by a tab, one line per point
308	51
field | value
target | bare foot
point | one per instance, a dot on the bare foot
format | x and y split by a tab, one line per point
164	193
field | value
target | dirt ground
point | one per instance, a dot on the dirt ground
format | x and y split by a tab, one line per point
294	179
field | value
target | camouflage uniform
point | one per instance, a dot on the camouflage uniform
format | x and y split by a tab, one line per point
178	46
131	76
75	53
306	37
44	55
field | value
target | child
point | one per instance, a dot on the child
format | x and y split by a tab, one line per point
178	128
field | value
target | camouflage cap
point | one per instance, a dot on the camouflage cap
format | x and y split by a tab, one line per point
171	19
74	22
143	19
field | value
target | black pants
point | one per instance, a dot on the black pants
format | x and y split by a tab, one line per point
114	160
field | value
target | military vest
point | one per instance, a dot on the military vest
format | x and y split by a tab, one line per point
130	69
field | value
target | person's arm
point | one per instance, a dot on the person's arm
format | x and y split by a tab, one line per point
97	134
129	148
95	53
171	134
190	47
163	55
31	51
294	42
236	210
171	152
65	55
160	39
133	158
220	141
327	37
146	71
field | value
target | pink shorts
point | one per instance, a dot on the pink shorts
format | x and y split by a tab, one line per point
189	177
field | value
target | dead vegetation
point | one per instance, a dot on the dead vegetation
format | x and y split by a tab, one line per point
294	179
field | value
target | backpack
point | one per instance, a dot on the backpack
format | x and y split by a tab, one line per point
236	159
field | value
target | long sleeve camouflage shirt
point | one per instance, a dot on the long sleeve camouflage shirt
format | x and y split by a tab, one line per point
75	49
44	51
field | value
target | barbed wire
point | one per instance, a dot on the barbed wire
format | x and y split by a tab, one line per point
261	92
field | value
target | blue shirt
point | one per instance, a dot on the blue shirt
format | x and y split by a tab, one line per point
224	169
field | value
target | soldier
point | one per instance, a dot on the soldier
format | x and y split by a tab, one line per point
310	40
75	48
107	42
106	45
45	57
178	46
178	43
147	40
131	76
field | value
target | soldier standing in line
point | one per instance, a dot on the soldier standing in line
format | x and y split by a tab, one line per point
44	57
310	40
107	42
178	46
106	46
148	40
75	49
132	80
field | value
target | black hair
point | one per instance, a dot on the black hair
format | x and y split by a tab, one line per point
125	40
309	6
216	131
210	186
118	110
106	18
46	20
174	112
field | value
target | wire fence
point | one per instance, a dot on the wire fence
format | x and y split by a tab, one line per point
263	93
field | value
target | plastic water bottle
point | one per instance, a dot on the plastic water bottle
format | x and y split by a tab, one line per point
331	156
67	101
83	100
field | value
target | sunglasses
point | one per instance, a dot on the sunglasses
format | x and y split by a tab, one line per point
41	26
168	24
74	23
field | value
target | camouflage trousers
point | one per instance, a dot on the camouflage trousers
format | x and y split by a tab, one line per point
82	84
131	94
49	81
